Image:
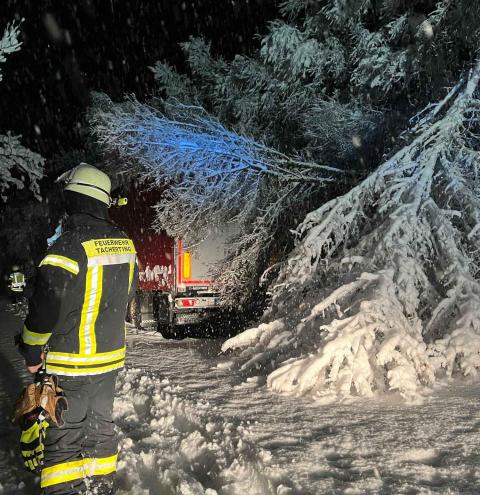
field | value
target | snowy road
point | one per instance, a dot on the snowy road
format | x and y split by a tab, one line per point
188	426
13	480
359	448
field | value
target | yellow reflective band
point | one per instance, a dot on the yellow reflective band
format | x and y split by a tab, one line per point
83	330
101	466
70	471
99	358
102	247
98	354
61	262
62	473
18	278
98	272
91	305
130	275
59	370
34	338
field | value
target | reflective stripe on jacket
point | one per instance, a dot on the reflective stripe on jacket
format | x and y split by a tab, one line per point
82	290
18	278
17	282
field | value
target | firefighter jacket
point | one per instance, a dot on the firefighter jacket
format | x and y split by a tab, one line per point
17	282
78	308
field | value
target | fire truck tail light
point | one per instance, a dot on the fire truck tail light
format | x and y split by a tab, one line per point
187	303
187	265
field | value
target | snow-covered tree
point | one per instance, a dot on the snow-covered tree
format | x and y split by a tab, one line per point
382	291
350	56
334	82
327	82
216	177
18	165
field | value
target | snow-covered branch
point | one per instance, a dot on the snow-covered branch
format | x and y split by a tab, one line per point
18	165
9	43
216	176
382	290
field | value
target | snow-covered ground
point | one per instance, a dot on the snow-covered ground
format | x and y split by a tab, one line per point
189	425
364	447
174	446
169	444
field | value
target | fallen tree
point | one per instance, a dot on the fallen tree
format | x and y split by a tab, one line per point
382	292
216	177
332	82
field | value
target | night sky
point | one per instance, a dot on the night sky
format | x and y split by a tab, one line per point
73	47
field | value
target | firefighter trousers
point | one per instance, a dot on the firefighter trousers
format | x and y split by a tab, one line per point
86	446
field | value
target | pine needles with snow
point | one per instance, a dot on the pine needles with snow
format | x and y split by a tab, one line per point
382	292
18	165
216	177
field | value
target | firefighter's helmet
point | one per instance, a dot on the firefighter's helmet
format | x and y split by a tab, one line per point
89	180
15	268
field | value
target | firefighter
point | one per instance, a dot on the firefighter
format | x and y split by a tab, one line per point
75	330
16	284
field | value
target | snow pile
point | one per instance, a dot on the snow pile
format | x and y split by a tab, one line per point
382	292
171	446
377	349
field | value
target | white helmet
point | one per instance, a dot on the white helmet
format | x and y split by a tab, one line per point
90	181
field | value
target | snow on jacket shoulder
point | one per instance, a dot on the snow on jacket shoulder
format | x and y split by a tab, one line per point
81	294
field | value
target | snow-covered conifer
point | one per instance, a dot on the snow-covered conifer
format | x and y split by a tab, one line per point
333	82
382	291
217	177
18	165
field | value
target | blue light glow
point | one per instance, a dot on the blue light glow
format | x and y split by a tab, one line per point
188	140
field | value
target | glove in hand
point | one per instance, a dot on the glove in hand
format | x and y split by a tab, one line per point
32	440
40	404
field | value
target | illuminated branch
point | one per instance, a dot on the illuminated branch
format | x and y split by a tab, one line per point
216	176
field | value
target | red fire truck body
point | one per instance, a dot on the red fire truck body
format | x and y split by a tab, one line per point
174	285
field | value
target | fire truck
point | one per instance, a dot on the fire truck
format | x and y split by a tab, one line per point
175	288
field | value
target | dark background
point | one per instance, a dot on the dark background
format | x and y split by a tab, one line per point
73	47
